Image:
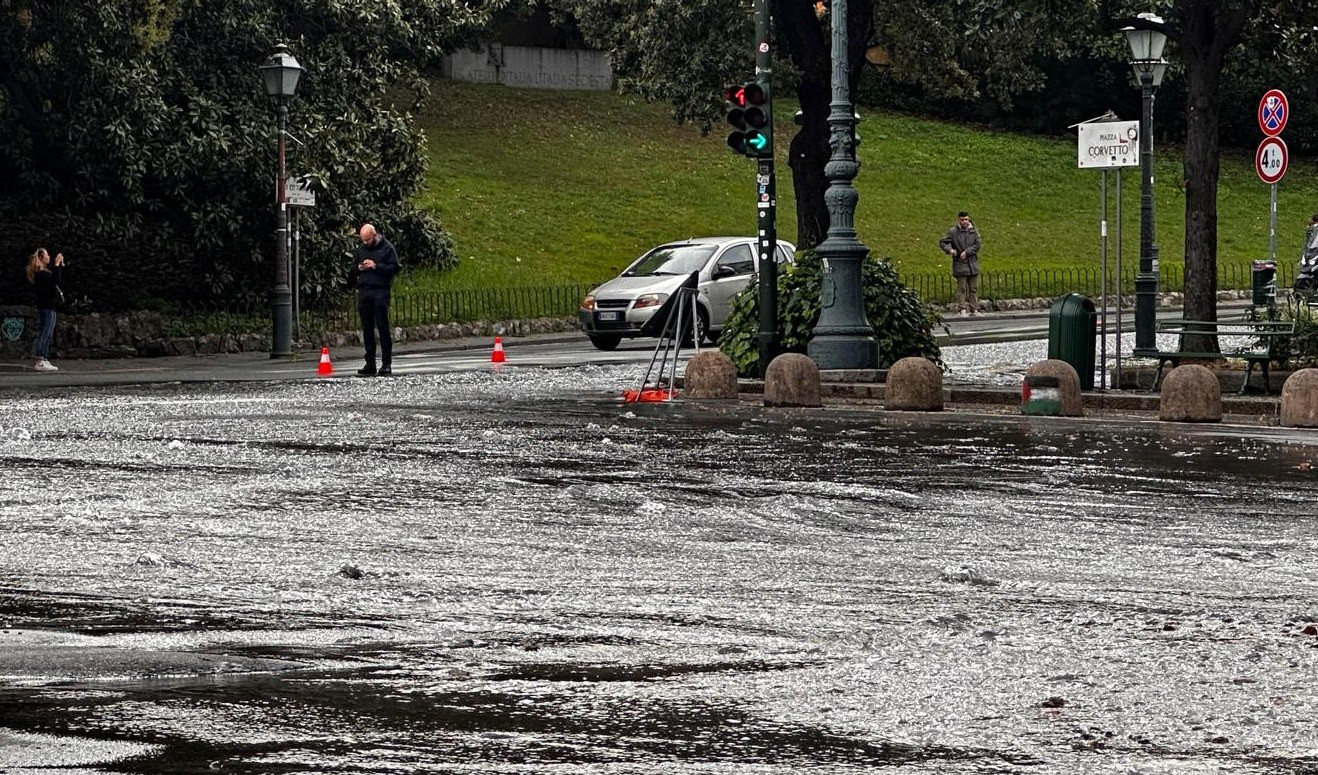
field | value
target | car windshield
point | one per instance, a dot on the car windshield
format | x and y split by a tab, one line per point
671	259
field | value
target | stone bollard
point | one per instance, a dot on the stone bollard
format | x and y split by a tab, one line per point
914	385
1190	393
792	379
1299	400
1071	404
710	374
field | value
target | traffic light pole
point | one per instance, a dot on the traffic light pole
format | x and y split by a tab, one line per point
766	202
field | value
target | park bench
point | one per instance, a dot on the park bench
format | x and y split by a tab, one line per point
1257	342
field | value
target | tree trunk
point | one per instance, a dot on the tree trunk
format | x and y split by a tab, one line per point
1206	36
810	151
808	44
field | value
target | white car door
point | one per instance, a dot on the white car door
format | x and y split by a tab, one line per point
729	273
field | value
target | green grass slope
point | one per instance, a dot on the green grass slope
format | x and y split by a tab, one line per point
552	187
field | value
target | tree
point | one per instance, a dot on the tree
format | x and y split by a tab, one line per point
135	136
685	53
956	48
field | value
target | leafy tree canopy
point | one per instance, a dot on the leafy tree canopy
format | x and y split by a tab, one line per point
136	137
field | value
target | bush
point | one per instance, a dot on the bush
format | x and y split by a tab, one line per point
902	325
1303	346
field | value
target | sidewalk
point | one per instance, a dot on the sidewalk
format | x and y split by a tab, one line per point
260	367
229	367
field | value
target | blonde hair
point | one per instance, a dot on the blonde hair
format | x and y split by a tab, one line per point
34	264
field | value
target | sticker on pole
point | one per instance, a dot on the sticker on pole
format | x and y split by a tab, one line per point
1273	112
1270	160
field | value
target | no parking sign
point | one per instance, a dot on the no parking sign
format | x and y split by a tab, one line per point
1274	110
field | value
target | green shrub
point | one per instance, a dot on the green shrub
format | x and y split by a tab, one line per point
902	325
1303	346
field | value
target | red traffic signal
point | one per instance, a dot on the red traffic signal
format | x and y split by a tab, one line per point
748	114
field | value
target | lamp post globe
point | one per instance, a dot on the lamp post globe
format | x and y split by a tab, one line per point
1147	40
281	73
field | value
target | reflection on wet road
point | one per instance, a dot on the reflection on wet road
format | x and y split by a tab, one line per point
511	572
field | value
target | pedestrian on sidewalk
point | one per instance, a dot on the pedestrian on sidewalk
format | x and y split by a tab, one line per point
962	244
376	265
45	278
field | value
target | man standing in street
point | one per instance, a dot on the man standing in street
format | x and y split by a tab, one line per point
962	244
377	263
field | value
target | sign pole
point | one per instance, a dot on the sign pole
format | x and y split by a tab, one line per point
1103	283
1106	143
1270	159
1272	225
1117	375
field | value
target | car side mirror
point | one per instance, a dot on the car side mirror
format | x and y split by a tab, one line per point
721	271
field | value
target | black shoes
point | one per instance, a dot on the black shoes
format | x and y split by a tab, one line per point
385	371
367	371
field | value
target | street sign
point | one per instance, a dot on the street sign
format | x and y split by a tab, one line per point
1108	144
1270	160
300	193
1274	110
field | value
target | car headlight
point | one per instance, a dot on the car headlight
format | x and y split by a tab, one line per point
588	303
649	300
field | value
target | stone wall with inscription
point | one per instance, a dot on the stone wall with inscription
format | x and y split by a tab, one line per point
531	68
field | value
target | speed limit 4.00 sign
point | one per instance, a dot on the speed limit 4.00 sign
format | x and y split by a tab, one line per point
1270	160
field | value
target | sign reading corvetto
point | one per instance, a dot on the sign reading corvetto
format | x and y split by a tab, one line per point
1108	144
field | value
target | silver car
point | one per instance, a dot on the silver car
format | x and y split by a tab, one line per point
620	307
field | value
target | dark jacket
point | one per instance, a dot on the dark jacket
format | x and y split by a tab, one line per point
957	240
386	265
46	283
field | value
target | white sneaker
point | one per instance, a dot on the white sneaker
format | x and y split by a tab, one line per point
45	365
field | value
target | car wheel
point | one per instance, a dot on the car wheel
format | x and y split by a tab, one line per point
702	326
606	341
702	329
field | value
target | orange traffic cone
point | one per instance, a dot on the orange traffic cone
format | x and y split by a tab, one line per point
497	355
325	368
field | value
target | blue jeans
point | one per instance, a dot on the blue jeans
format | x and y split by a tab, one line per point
46	318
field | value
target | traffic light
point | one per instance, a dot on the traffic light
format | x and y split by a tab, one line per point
748	113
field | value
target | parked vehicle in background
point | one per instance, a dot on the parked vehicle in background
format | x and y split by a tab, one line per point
619	308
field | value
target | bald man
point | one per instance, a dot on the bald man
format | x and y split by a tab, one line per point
377	263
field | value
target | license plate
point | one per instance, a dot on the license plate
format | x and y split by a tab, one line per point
607	315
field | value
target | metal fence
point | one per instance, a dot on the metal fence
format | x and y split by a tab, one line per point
940	287
418	308
406	309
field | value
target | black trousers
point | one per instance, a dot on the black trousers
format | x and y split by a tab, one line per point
373	306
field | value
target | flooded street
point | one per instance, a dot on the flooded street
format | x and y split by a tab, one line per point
513	572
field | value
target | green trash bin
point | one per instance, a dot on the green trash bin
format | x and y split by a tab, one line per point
1073	334
1263	283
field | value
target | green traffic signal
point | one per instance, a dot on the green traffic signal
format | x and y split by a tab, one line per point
748	113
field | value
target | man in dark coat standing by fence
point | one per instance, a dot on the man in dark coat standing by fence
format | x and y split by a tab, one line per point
377	263
962	244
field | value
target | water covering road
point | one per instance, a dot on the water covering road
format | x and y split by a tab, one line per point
512	572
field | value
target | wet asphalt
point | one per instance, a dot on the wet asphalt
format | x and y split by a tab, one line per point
511	571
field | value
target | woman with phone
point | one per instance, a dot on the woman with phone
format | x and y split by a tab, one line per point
45	281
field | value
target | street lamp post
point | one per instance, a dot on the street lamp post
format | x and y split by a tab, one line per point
282	73
843	337
1146	43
